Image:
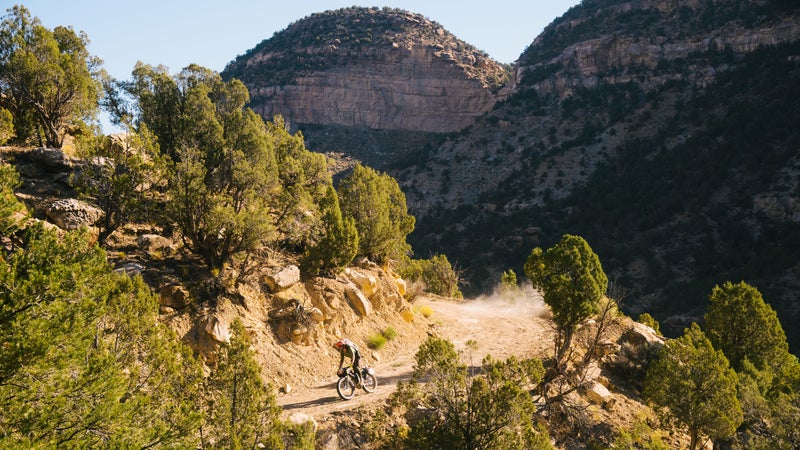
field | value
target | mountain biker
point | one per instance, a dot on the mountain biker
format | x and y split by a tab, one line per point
349	349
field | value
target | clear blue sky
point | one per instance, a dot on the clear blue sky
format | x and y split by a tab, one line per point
176	33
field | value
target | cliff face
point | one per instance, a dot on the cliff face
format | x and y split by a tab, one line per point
646	41
376	68
416	89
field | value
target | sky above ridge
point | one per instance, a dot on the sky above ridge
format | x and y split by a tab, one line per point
176	33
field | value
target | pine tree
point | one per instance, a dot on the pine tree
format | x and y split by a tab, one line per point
12	212
83	360
119	175
464	408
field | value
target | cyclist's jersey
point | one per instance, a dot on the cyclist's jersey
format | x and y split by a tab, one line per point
349	350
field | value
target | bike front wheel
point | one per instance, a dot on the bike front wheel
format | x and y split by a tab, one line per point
369	382
345	388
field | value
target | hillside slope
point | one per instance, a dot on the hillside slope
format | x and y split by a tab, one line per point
665	135
663	132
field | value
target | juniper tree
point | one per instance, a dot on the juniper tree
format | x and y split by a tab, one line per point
84	362
242	412
572	283
696	385
379	208
469	409
744	327
49	80
338	244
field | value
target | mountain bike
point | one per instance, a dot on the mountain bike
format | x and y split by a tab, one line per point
349	382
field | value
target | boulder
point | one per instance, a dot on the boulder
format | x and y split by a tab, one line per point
282	278
358	301
71	214
316	315
217	329
401	286
152	243
54	160
174	296
640	335
598	394
365	282
130	269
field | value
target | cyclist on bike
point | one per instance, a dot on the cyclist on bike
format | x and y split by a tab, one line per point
350	350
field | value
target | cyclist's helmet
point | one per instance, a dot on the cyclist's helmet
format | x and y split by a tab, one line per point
339	344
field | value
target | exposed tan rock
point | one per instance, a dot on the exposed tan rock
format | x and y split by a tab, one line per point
641	335
358	301
71	214
403	89
374	68
217	329
604	59
173	296
366	282
152	243
282	278
401	286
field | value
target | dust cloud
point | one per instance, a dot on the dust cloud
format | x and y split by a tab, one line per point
508	302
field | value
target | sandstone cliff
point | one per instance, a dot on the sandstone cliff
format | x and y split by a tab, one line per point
368	67
650	43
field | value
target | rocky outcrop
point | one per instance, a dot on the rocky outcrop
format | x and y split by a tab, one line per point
71	214
375	68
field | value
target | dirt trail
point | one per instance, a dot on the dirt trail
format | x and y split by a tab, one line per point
501	328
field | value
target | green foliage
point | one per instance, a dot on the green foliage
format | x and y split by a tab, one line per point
83	360
509	279
389	333
437	274
49	79
304	180
225	172
748	332
376	341
770	422
378	206
744	327
242	409
572	282
339	243
12	211
647	319
6	125
641	437
571	278
697	386
119	175
492	410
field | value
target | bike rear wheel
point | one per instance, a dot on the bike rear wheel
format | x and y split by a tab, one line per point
369	383
345	388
